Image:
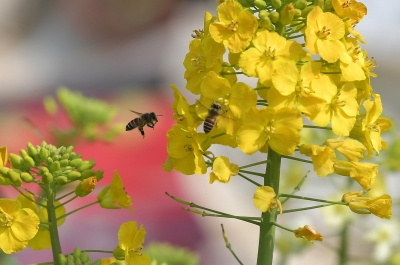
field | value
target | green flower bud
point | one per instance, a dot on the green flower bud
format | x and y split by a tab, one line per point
260	4
65	156
23	153
306	10
29	161
119	253
56	157
287	14
26	177
274	16
61	150
276	3
87	164
84	257
69	262
47	178
86	174
297	13
55	166
64	162
99	174
4	171
4	181
14	175
76	162
97	262
49	160
76	253
62	259
263	13
61	180
69	149
44	154
74	175
16	161
265	22
43	170
300	4
31	150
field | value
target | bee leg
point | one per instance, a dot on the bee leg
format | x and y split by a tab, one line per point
141	131
151	125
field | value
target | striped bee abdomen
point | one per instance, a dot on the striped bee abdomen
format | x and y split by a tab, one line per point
132	124
209	123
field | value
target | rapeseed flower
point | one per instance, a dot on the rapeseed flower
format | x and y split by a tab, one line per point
130	240
362	172
308	233
264	199
323	158
380	206
114	196
223	170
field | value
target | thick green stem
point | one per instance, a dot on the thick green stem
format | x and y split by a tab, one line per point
267	228
343	255
55	240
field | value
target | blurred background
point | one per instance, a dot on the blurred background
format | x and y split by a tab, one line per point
127	52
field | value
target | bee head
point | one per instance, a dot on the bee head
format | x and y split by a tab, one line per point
216	105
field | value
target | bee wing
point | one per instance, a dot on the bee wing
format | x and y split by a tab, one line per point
202	109
138	113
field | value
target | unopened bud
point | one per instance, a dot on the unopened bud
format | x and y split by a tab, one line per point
274	16
260	4
26	177
47	178
55	166
74	175
87	173
14	175
276	3
287	14
44	153
300	4
61	180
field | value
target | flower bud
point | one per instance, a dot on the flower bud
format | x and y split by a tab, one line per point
61	180
3	156
263	13
265	22
64	162
87	173
349	196
84	257
69	149
87	164
49	160
29	161
260	4
274	16
74	175
276	3
4	181
26	177
300	4
297	13
23	153
47	178
44	153
99	174
287	14
75	162
76	253
4	171
86	187
43	170
62	259
32	150
55	166
306	10
65	156
14	175
16	161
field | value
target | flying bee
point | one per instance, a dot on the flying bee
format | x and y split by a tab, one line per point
145	119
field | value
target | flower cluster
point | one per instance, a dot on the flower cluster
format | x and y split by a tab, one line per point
311	73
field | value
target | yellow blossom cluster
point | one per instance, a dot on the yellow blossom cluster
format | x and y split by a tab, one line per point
311	72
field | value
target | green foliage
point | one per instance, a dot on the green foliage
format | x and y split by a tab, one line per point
164	253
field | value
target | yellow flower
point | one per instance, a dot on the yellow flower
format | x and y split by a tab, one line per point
380	206
114	196
17	226
185	151
349	9
352	61
42	238
223	170
292	88
130	240
235	100
323	34
269	48
235	28
204	56
322	157
3	156
363	173
308	233
264	199
350	29
341	106
184	114
352	149
266	127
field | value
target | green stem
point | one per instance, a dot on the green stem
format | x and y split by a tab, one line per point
65	195
231	73
344	234
252	173
294	37
307	208
78	209
241	218
254	164
53	229
95	250
249	180
297	188
261	88
29	199
317	127
267	228
64	203
310	199
282	227
297	159
228	245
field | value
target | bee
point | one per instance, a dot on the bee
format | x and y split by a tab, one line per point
211	119
145	119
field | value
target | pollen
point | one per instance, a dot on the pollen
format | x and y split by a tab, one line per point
233	25
346	4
